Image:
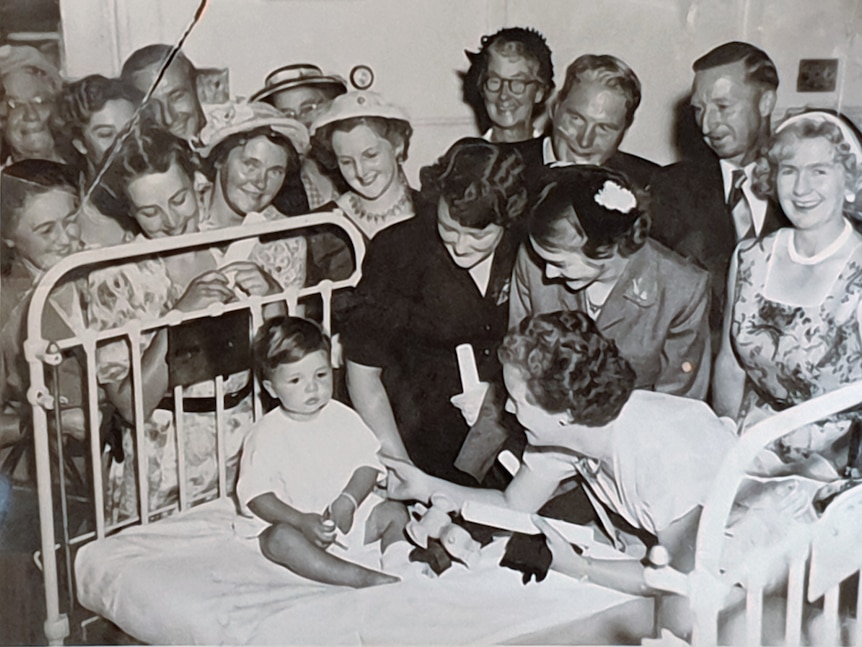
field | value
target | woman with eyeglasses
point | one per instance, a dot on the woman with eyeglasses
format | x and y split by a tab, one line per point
509	80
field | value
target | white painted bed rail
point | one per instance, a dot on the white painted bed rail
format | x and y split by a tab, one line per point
39	352
707	588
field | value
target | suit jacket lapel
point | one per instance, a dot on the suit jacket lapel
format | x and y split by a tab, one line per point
636	289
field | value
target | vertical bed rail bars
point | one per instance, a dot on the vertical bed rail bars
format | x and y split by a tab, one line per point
705	605
56	625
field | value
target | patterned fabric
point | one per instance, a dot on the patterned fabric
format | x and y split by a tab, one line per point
144	291
792	353
284	259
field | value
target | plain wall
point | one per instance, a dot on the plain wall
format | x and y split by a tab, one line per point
416	47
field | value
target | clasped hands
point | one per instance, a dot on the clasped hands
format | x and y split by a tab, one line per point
217	286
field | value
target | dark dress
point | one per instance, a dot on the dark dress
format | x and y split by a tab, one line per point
414	306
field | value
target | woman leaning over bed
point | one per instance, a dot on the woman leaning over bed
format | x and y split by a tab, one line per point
154	172
650	457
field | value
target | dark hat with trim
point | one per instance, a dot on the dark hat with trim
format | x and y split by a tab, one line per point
293	76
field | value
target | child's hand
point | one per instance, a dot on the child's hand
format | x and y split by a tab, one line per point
317	529
341	511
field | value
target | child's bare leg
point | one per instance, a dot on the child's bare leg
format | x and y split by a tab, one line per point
287	546
386	523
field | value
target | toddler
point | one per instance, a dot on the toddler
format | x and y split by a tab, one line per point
309	466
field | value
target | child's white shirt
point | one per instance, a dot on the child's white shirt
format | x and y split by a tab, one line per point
306	464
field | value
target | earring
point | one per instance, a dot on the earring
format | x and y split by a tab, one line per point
850	197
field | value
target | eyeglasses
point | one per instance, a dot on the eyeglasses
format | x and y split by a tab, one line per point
515	86
13	105
304	111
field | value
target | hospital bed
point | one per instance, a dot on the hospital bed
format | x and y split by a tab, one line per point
179	575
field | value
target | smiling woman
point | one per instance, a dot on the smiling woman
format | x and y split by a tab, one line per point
429	284
793	331
366	138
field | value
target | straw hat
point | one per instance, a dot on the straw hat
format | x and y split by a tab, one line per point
229	119
292	76
359	103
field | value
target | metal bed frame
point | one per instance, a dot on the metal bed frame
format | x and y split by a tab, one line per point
40	353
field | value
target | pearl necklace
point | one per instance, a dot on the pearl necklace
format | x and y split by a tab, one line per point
822	255
375	218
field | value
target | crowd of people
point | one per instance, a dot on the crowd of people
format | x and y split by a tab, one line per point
628	320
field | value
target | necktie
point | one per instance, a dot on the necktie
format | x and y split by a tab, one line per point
739	208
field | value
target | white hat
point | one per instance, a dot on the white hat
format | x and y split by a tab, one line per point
359	103
224	120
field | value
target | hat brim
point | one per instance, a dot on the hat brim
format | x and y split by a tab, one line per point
295	132
331	81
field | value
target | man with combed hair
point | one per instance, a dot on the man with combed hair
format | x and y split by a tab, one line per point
591	115
175	99
703	208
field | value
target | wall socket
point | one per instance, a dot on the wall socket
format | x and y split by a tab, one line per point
817	75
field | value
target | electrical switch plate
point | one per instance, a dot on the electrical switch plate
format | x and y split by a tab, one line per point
817	75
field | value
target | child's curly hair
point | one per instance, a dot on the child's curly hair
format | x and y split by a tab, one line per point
569	366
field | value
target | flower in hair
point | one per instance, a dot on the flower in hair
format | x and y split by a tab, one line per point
614	197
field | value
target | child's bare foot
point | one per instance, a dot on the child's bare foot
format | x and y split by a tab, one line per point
376	578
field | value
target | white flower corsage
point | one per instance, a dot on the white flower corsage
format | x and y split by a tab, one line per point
614	197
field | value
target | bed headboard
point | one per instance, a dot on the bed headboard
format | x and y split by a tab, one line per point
43	354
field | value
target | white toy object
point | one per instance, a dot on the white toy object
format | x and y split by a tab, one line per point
436	523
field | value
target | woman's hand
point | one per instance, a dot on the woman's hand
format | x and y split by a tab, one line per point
204	290
317	529
405	481
250	278
564	558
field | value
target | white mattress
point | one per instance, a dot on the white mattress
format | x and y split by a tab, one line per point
189	580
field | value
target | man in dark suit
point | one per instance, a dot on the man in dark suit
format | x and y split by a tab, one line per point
591	115
703	208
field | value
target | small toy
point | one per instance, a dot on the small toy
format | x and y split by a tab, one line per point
435	522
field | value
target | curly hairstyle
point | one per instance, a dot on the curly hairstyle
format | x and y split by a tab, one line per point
79	101
20	182
219	154
783	145
283	340
144	149
611	72
569	195
525	42
482	183
570	367
396	131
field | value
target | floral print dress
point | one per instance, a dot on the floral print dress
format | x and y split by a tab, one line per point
144	291
792	352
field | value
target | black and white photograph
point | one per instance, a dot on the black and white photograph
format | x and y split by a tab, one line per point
431	322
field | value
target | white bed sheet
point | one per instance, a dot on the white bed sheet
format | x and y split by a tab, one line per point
190	580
